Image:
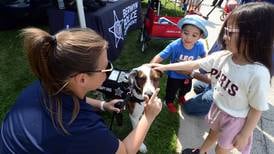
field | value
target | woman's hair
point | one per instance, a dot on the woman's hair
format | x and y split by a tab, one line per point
54	59
255	21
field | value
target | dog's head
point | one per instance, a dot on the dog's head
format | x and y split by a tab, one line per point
144	80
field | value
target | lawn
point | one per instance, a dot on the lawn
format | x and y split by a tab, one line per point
15	75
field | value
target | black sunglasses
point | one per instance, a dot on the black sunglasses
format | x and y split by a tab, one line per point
108	70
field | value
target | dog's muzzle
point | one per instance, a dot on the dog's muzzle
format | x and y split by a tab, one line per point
121	85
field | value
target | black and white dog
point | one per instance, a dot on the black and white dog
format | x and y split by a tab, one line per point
132	86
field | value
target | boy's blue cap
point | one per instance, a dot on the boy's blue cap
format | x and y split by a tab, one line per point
195	20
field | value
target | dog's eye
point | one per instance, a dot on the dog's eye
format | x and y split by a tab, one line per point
156	74
155	79
141	80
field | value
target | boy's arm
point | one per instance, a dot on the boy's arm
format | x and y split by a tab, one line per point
200	76
241	140
156	59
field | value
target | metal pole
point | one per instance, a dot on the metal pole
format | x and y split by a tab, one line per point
81	13
158	8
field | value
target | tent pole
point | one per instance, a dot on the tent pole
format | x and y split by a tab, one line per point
81	13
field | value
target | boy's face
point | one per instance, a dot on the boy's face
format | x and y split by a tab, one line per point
190	35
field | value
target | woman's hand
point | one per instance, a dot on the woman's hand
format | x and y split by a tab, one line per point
153	105
109	106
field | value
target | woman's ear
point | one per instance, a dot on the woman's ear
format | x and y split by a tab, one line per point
80	79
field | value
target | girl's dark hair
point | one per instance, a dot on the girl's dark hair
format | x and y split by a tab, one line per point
54	59
255	21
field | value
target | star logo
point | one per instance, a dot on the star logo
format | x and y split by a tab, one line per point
118	92
116	29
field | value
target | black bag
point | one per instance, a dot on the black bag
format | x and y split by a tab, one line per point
89	5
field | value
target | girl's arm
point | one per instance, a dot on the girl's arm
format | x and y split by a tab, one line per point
185	65
189	65
252	119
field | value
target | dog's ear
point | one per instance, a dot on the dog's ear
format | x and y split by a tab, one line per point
131	76
159	73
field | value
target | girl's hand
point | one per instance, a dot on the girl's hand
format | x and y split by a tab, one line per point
240	141
109	106
153	105
157	66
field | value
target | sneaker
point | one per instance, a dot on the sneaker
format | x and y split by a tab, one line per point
191	151
182	100
171	107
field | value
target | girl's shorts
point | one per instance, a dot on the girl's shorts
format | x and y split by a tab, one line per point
227	126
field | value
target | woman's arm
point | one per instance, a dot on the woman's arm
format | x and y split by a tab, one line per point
93	102
102	105
133	141
252	119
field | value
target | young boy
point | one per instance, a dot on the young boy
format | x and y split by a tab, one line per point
188	47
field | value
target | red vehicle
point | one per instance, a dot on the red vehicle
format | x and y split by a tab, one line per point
158	27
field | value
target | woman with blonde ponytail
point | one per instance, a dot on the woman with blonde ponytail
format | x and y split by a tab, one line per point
53	115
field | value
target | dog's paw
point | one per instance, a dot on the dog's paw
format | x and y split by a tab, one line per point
143	148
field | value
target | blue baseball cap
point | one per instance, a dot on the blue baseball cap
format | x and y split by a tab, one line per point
195	20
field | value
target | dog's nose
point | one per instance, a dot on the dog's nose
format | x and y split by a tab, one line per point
148	93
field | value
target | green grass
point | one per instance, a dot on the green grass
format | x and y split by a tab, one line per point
15	75
14	71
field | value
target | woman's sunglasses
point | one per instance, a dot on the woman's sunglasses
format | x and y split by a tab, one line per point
108	70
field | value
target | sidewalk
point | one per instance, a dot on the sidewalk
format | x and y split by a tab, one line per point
193	130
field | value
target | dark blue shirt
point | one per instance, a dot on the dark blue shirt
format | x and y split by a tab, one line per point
28	128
